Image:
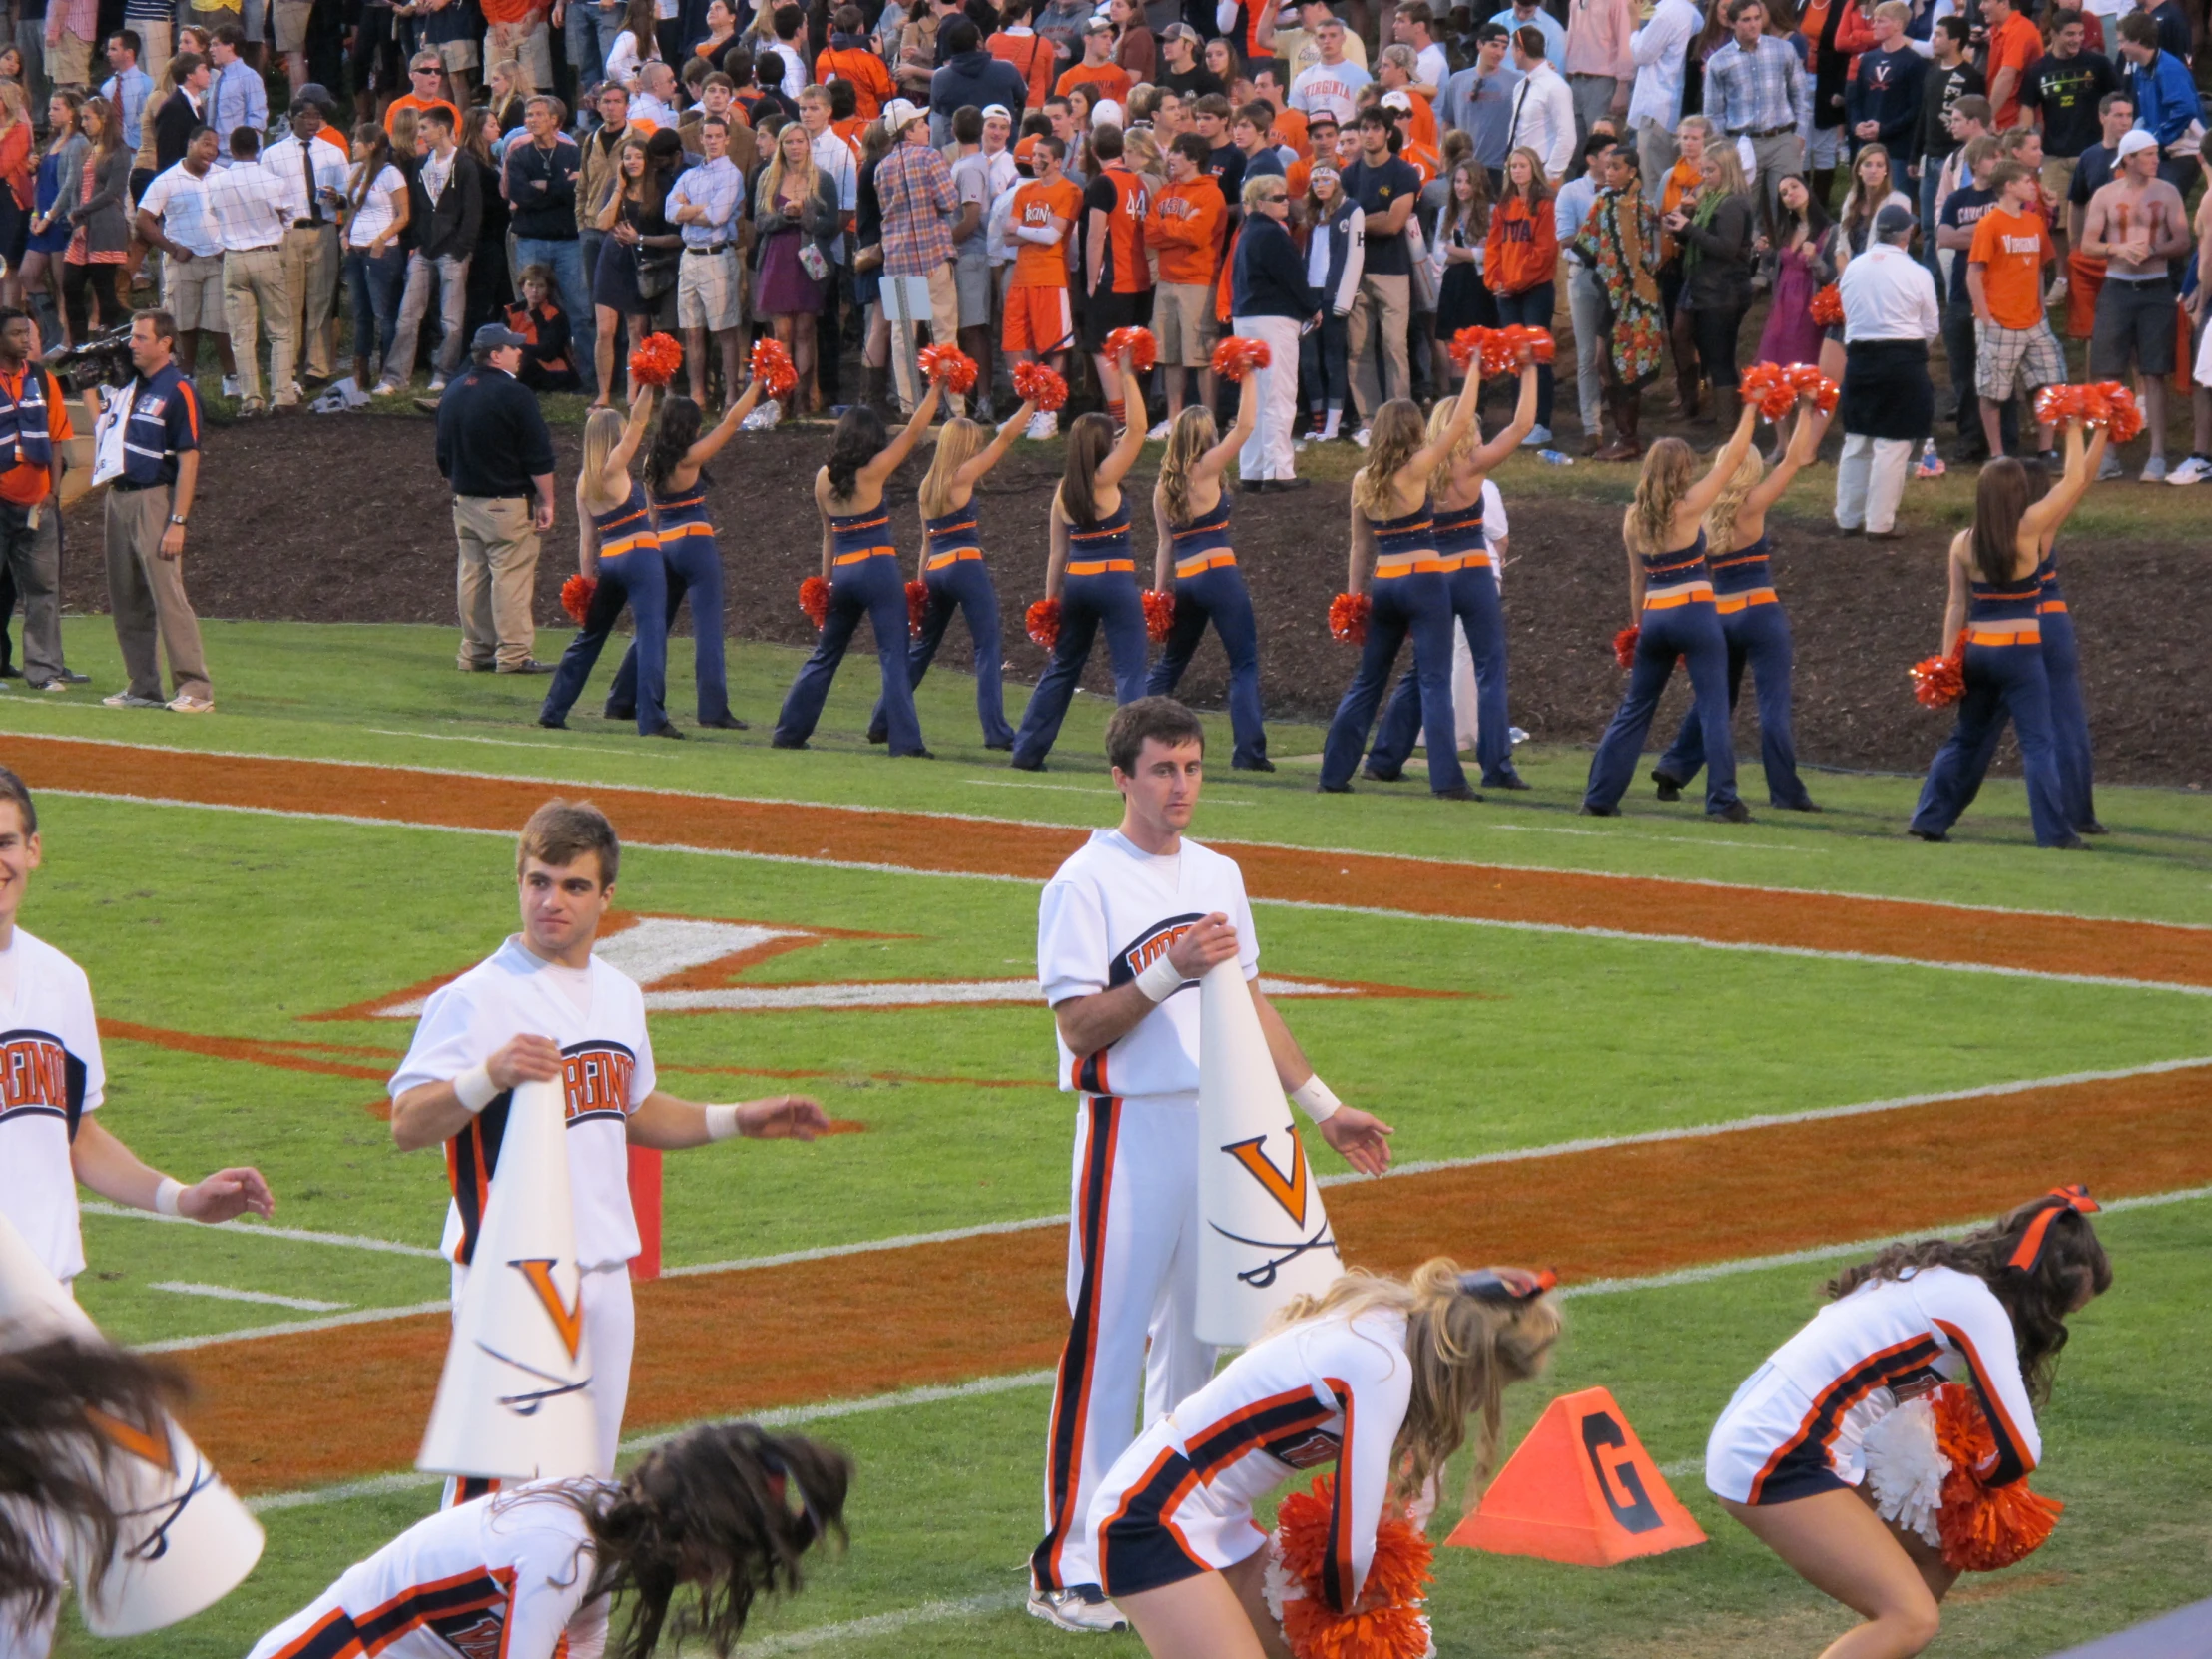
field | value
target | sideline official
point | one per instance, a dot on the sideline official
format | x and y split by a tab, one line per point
494	450
1887	406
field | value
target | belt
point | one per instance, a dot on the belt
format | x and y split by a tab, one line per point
1697	592
257	248
1477	561
2138	281
1220	558
313	224
515	497
2050	605
1415	564
126	487
1100	567
711	248
1728	604
938	561
1762	131
2006	633
866	553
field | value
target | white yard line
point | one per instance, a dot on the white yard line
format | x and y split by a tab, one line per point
295	1327
1078	789
518	743
223	1292
261	1230
879	1624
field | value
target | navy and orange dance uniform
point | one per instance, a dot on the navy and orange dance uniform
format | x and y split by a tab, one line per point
1411	593
959	579
693	568
2005	679
1679	619
1757	634
1210	588
864	580
632	573
1099	591
1481	613
2070	711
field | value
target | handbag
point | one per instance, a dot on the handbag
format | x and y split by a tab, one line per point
813	261
656	269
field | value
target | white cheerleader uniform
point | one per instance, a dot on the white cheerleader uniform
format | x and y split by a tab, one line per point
1797	1426
1179	1501
50	1078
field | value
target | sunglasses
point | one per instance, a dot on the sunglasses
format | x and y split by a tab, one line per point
1271	200
1506	1284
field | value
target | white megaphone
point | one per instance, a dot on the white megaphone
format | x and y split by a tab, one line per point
186	1541
1264	1236
514	1402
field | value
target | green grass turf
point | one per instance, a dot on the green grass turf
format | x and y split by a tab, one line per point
389	694
944	1506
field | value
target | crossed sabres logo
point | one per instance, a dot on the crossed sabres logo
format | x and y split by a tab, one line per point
153	1443
1289	1192
568	1324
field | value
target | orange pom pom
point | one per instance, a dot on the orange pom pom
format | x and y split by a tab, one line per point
772	368
1624	645
1468	345
1347	618
656	360
1043	622
1768	386
2056	405
1142	348
1939	682
1035	383
918	607
1825	396
1508	347
950	366
1828	306
813	599
1234	358
1985	1527
1159	614
576	595
2121	416
1386	1621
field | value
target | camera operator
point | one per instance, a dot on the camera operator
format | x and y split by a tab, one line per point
34	425
146	449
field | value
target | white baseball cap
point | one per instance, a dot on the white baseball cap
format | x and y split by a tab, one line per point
1106	113
899	114
1398	99
998	109
2137	139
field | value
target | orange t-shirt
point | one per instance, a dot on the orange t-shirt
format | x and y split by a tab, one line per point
1184	226
2013	249
2016	44
1110	78
25	484
1122	265
871	82
1290	129
1036	205
1299	177
408	100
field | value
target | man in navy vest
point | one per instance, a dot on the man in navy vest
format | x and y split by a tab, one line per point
146	449
34	425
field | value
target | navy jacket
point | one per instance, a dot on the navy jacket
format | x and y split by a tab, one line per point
1270	278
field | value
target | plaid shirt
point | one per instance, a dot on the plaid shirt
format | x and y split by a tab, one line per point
915	186
1756	92
250	207
718	187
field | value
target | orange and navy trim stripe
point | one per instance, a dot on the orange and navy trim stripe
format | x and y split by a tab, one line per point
1338	1580
1249	1429
2014	1462
1071	1393
470	1158
1140	1548
339	1635
1826	1418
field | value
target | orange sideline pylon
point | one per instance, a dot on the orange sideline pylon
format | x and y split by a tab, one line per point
1580	1490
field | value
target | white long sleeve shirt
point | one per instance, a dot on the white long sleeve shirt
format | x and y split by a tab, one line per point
1888	295
1543	119
1661	50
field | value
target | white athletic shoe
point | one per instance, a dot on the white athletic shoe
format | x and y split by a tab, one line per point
2110	468
2195	470
229	385
1069	1610
2154	469
437	384
1361	438
1539	437
1158	434
1045	423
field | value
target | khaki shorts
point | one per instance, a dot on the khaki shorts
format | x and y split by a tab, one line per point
69	61
710	290
290	29
192	292
532	48
2058	178
454	54
1183	322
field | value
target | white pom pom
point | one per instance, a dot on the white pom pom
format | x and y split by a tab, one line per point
1904	1471
1276	1585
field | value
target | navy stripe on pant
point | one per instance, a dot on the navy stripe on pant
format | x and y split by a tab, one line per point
1692	631
1756	637
2002	681
964	586
1218	595
639	579
1420	605
1476	602
693	568
874	588
1107	600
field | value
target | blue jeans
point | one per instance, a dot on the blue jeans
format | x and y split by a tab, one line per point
1692	631
1474	604
1218	595
374	284
638	579
695	568
590	31
874	588
964	586
565	259
1532	309
1932	172
1323	363
2002	681
2069	724
1757	636
1420	605
1087	604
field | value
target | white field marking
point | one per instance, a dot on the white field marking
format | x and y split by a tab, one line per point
518	743
917	993
878	1624
1677	840
223	1292
260	1230
973	817
295	1327
863	1247
1076	788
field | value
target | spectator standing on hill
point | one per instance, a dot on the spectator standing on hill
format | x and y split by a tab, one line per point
248	203
1334	80
496	454
2166	101
2014	46
1182	74
1570	210
2139	226
2063	92
1887	406
173	216
2094	170
1950	77
2015	349
707	202
1962	214
446	204
179	112
970	75
913	185
1756	89
1271	300
538	179
1621	243
1184	226
1543	108
237	98
1386	190
1882	102
1600	65
314	175
1661	52
1479	100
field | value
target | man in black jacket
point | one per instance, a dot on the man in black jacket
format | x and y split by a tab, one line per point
538	180
446	208
181	111
495	452
970	75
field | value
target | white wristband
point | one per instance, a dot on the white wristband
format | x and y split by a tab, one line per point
722	1121
165	1196
1161	979
474	1089
1316	1099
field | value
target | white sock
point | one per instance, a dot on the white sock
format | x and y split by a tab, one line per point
1330	426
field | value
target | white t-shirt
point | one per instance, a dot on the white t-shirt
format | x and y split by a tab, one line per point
501	1575
599	1022
1432	67
373	217
1330	86
971	182
178	202
50	1075
1105	916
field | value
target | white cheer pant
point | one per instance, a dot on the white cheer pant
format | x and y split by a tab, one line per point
1268	453
1870	481
1131	1276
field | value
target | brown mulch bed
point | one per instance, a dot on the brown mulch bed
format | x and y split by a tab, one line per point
344	519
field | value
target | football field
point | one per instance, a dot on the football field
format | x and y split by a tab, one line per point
1693	1067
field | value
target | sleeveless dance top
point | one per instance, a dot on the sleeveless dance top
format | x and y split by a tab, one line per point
684	514
1743	576
1096	549
1460	537
1203	543
628	527
2004	613
949	538
1677	578
858	536
2053	596
1404	546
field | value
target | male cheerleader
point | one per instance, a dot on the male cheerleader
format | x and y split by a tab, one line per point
1137	915
51	1083
542	1007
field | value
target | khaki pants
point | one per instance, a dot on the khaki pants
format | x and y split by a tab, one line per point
256	295
945	329
498	577
147	594
157	45
311	285
1391	298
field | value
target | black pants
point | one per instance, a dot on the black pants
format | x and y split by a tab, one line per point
376	66
100	280
1715	333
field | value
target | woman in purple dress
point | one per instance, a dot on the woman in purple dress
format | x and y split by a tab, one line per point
1803	263
795	211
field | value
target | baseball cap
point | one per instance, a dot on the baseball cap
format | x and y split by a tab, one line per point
1183	31
315	93
1099	26
1026	151
493	335
2137	139
1398	99
1106	113
898	115
999	110
1892	218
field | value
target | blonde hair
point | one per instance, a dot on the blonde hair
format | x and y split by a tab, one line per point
1188	439
14	101
1730	165
1439	420
1466	1351
1719	523
959	441
1140	153
601	433
1395	436
1659	490
773	174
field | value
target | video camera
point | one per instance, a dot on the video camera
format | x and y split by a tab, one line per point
103	360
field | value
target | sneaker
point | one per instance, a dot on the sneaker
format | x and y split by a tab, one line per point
57	684
191	706
1361	438
1539	437
2195	470
2154	469
386	388
1158	434
437	384
1074	1610
229	385
2110	468
1045	423
130	699
253	409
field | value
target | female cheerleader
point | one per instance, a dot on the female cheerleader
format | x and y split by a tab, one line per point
615	542
676	484
1194	560
1379	1374
1411	593
1457	492
1785	1456
1753	625
727	1510
1091	572
1670	597
953	570
1996	595
864	575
